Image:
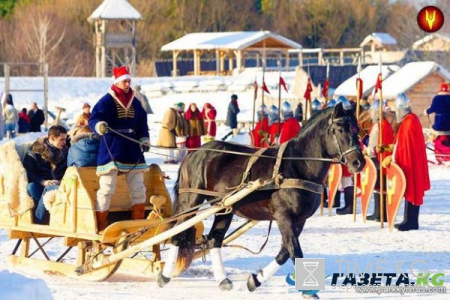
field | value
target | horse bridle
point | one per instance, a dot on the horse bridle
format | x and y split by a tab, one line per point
353	129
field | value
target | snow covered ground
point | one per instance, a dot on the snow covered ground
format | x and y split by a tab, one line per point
334	238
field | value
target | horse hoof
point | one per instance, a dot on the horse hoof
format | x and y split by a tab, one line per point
310	296
253	283
162	280
226	285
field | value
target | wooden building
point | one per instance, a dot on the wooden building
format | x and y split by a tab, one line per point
420	81
233	46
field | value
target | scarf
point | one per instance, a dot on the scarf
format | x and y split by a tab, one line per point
123	97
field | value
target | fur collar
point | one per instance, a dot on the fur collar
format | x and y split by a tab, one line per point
48	152
84	135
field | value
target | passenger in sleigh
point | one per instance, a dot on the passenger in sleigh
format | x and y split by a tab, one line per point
259	136
45	163
84	149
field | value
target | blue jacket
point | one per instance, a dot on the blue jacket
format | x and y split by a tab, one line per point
441	107
84	150
117	152
232	112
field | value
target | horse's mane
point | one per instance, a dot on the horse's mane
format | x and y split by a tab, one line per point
313	119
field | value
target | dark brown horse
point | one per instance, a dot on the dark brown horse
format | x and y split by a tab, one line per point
330	134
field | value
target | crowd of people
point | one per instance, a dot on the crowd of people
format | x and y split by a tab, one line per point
92	142
15	122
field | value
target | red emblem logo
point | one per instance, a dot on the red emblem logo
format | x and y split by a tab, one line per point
430	19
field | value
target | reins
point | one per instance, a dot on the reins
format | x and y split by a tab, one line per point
332	160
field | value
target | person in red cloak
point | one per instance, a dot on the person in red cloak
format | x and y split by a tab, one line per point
290	126
209	114
196	126
387	137
274	124
259	136
409	153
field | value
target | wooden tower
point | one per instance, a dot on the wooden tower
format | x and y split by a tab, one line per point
115	36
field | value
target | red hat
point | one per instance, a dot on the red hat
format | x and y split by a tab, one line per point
121	74
444	87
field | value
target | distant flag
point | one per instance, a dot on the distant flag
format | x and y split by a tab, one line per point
308	90
264	87
326	85
283	84
379	78
359	87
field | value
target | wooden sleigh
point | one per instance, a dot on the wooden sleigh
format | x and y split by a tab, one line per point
73	220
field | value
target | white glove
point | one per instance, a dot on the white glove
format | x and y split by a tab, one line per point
101	127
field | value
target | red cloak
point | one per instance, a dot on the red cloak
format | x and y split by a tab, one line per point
274	131
289	129
256	136
411	156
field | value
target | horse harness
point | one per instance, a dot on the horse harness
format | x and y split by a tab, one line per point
278	181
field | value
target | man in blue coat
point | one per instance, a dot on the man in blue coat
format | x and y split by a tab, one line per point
120	110
440	106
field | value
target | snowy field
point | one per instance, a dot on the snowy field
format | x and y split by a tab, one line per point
335	238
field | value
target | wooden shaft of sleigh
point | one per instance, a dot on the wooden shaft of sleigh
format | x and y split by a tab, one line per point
227	202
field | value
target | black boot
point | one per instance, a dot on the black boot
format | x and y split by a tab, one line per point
405	216
376	210
411	220
337	199
384	210
226	136
348	198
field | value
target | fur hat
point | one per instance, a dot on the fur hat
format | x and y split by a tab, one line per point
121	74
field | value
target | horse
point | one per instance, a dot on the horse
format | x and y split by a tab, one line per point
329	136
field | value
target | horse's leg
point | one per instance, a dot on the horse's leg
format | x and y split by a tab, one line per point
290	247
181	243
215	239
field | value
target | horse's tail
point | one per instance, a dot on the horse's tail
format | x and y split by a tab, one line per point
187	243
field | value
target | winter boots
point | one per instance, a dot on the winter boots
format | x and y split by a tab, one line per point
102	220
138	211
376	212
410	218
348	198
337	199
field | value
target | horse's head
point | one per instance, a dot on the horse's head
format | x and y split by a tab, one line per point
342	136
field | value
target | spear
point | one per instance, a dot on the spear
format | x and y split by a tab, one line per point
358	100
380	140
255	96
279	98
